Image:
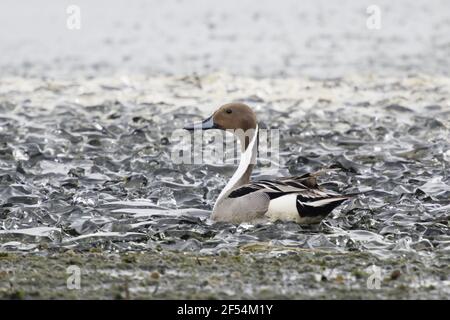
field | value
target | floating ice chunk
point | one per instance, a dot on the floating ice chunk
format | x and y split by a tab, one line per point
435	187
447	155
35	232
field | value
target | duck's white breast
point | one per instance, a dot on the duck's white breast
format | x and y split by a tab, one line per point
283	208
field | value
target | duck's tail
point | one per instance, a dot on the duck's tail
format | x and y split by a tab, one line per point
354	194
316	173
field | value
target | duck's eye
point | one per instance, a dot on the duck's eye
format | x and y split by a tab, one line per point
229	111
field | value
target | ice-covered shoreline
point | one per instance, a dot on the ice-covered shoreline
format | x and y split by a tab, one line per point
86	119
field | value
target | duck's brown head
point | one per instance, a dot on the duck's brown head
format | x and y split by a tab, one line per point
231	116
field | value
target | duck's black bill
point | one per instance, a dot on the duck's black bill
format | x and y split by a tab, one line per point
204	125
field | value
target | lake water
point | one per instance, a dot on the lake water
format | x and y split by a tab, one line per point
86	123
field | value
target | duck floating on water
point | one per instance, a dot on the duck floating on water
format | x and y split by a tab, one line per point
299	198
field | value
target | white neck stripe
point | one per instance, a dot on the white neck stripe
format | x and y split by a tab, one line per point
248	157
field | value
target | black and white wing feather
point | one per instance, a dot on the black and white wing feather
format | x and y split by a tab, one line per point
300	195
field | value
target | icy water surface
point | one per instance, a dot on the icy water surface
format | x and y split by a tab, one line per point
87	163
87	178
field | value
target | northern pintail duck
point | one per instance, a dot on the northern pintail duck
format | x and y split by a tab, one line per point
297	198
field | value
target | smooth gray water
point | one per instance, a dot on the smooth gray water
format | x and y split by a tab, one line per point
316	38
